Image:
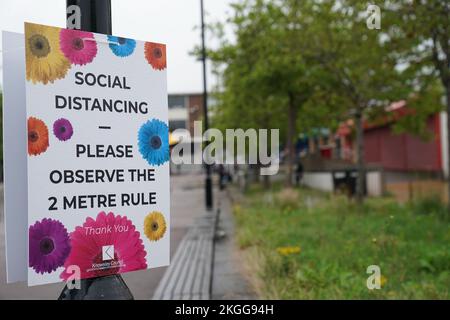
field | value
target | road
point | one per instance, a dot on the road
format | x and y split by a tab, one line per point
187	199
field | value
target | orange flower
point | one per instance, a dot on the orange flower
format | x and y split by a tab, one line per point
155	53
37	136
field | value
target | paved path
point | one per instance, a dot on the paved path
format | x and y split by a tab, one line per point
187	199
207	264
190	271
228	281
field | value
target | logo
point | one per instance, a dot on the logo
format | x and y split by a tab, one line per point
373	20
73	17
374	280
108	253
73	281
234	146
109	261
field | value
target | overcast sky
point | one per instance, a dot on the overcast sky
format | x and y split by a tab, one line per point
170	21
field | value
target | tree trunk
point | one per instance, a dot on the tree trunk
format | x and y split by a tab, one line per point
290	141
266	181
256	172
447	89
360	181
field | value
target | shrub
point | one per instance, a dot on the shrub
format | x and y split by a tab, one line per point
288	199
429	205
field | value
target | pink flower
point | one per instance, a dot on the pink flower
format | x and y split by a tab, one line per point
108	245
78	46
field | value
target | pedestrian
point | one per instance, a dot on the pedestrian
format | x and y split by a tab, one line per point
222	176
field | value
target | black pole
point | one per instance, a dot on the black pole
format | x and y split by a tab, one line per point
208	182
95	15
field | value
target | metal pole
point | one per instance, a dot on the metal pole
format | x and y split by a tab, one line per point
208	182
96	17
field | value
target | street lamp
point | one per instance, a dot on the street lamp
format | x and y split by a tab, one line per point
208	182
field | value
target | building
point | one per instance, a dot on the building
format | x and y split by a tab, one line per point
399	152
403	164
184	110
179	110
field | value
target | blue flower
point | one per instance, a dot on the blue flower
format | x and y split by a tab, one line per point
153	142
121	47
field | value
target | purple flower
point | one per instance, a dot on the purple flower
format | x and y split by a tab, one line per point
49	245
62	128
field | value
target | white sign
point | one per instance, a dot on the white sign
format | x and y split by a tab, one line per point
97	154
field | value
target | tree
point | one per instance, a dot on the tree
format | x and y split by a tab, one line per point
421	38
364	73
321	63
268	78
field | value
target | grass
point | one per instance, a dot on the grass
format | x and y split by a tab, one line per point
321	247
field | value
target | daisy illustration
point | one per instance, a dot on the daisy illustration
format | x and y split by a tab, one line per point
122	47
44	60
155	53
154	226
37	136
62	129
78	46
153	142
107	245
48	245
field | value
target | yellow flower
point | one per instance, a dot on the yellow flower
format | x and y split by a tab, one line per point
154	226
237	209
285	251
383	281
44	60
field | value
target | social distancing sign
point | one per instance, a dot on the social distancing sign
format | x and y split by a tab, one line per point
86	149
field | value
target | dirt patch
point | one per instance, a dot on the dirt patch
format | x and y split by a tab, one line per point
413	190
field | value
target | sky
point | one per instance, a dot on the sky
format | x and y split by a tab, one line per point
172	22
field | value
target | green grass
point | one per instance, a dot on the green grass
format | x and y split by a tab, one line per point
338	243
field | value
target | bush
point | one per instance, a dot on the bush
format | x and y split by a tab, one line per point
288	199
429	205
338	244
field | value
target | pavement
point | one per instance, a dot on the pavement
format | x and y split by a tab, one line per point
229	281
187	204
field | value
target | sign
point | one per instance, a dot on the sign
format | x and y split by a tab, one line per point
97	154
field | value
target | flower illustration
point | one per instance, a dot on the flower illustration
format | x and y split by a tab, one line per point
48	245
37	136
78	46
62	129
153	143
44	60
122	47
155	53
154	226
107	245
